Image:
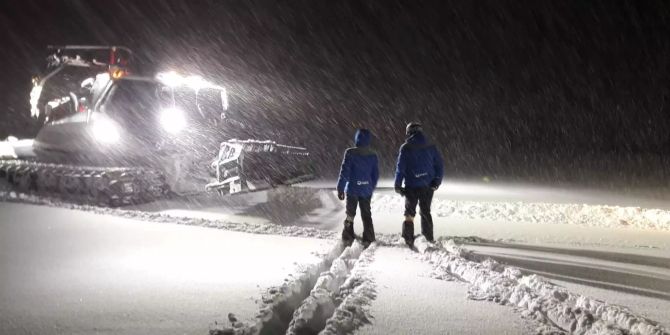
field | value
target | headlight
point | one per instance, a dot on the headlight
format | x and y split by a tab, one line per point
172	120
105	130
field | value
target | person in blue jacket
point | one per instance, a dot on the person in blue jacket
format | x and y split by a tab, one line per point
421	168
358	178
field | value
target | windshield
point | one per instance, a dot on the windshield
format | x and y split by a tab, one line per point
133	98
139	102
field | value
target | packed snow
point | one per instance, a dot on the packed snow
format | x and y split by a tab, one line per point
12	148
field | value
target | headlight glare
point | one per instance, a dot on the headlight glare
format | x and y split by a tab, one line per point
172	120
105	131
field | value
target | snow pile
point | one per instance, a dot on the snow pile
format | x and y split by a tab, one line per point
578	214
7	150
358	292
12	148
312	314
537	298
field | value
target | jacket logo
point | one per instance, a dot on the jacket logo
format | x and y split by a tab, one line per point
362	182
421	175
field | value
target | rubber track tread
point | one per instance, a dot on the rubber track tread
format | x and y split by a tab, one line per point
105	186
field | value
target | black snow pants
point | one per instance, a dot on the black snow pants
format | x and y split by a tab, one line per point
423	196
366	215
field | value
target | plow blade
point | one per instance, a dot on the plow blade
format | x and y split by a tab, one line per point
250	165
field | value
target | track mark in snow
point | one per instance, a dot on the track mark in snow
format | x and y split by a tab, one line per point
357	293
279	303
330	295
330	289
310	317
537	298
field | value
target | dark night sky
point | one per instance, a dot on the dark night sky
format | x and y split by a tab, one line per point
533	90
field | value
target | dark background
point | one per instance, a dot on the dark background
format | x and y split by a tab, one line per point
542	91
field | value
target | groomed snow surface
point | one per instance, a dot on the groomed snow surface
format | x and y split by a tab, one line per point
302	280
73	272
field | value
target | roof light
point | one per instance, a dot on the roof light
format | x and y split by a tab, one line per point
169	78
174	79
117	73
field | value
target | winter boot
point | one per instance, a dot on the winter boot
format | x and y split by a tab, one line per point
348	231
429	236
368	232
367	240
368	237
408	232
427	226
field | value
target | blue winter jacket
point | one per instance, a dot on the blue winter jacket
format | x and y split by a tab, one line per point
419	163
359	172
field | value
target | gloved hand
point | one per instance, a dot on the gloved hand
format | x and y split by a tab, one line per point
400	190
434	185
340	195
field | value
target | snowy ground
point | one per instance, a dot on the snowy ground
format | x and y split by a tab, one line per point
540	260
560	217
641	283
408	298
65	272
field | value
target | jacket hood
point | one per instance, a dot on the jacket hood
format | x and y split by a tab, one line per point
362	138
416	138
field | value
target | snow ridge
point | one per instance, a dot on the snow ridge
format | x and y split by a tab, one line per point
358	292
312	314
555	307
253	228
278	303
334	305
578	214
